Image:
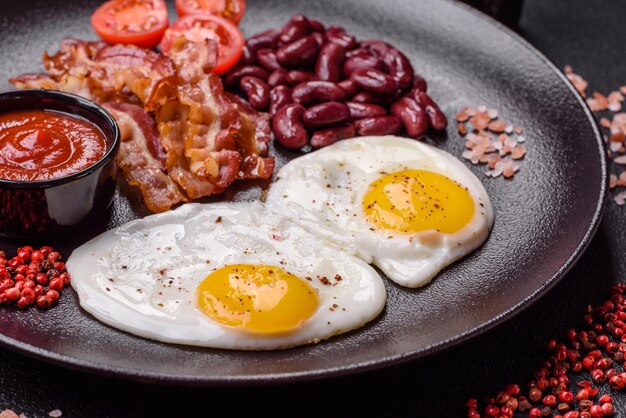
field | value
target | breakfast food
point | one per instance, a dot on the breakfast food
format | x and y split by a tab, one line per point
42	145
197	28
207	138
145	23
407	207
137	22
226	275
232	10
321	85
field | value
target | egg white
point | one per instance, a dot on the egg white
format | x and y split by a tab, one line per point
324	190
142	277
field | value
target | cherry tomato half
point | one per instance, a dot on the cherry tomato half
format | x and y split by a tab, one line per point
137	22
197	28
232	10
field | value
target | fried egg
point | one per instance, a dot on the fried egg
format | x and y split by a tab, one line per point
407	207
226	275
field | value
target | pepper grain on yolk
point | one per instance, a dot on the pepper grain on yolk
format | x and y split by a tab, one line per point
412	201
258	298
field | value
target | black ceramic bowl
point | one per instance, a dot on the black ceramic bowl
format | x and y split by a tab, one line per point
35	208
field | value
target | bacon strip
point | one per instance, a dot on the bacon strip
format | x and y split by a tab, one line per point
255	163
210	137
207	138
102	72
141	157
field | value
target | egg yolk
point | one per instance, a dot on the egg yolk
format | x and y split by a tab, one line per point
258	298
412	201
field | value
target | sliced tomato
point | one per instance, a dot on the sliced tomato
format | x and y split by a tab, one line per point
137	22
197	28
232	10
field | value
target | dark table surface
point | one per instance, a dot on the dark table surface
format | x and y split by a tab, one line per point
586	34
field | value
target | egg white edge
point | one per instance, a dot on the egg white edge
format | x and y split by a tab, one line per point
116	314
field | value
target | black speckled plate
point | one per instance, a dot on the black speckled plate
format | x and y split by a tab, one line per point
545	217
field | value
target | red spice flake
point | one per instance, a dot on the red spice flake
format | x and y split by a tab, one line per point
491	141
324	280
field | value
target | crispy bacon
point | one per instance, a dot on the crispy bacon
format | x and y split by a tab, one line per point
207	138
210	137
255	162
102	72
141	158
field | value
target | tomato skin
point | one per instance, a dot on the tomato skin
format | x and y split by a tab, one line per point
232	10
229	38
136	22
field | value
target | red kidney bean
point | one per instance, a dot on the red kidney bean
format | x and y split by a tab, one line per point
297	27
296	77
233	77
399	67
277	77
338	35
279	96
329	60
247	57
266	58
374	81
365	97
378	125
316	26
288	128
257	91
436	117
365	110
329	136
267	39
348	87
419	84
312	92
299	53
376	47
326	114
412	115
358	52
319	38
359	62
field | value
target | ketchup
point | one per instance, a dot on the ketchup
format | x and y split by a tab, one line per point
43	145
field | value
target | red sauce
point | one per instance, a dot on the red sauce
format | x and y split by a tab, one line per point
43	145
